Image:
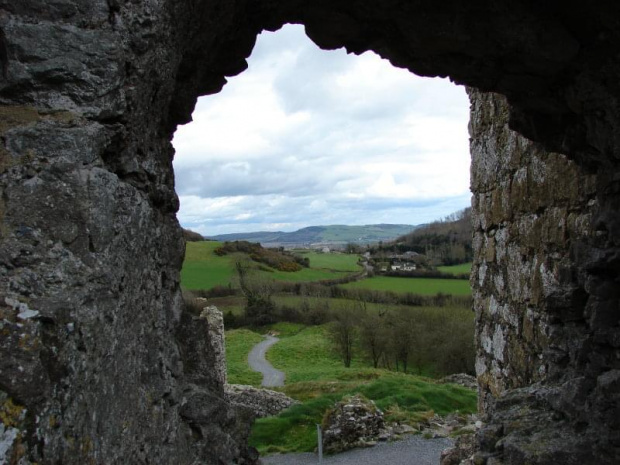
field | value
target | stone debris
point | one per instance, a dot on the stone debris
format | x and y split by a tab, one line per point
462	453
7	439
462	379
449	425
262	402
353	422
27	314
357	422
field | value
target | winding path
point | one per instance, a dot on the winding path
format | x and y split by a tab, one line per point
414	450
257	361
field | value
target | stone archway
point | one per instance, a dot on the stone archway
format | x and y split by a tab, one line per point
99	362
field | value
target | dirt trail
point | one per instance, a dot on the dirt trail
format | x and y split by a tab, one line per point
257	361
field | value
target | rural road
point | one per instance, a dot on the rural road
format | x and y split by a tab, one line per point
257	361
414	450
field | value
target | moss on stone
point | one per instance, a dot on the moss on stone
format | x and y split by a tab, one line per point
11	414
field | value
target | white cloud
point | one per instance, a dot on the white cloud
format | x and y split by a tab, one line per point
307	137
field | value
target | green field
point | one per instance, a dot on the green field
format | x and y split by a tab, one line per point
464	268
331	261
422	286
306	275
202	269
317	377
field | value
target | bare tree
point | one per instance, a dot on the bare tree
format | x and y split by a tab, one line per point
373	337
258	292
343	332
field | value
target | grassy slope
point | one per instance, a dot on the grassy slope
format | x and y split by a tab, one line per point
307	356
422	286
202	269
318	378
402	398
464	268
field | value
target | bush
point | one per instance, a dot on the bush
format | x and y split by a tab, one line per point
278	259
288	266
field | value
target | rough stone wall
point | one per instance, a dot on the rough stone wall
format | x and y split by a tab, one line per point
99	362
546	298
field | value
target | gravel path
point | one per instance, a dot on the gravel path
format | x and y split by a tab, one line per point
257	361
414	450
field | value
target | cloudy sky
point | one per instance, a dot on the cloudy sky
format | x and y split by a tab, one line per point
310	137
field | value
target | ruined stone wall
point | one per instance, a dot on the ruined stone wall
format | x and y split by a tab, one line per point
545	295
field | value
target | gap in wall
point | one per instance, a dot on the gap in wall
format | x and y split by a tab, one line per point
311	137
307	137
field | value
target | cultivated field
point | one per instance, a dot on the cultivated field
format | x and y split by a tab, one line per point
422	286
331	261
202	269
464	268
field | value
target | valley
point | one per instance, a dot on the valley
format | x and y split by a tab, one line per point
344	328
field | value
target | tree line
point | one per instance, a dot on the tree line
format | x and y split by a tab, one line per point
444	242
436	340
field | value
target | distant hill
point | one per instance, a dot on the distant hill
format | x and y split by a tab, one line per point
261	236
445	242
323	235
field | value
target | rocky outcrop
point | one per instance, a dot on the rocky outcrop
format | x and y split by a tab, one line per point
353	422
96	348
262	402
